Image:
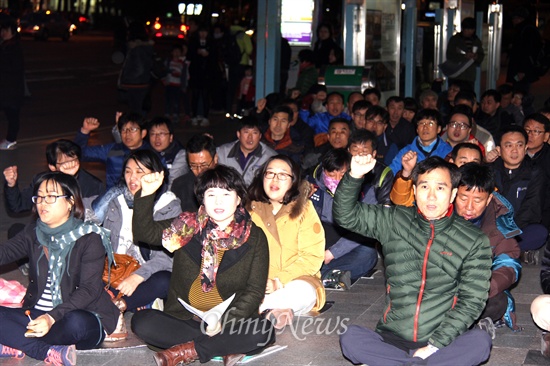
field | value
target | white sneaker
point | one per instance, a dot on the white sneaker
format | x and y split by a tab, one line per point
205	122
8	145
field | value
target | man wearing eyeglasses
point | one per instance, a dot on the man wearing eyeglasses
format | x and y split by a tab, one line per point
358	115
537	126
201	155
377	122
61	155
459	128
427	143
171	152
112	155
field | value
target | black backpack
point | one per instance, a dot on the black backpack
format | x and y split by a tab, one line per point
232	53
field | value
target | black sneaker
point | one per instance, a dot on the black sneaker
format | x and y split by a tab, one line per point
337	280
487	325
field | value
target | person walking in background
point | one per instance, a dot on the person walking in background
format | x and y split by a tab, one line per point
465	48
176	83
247	90
525	46
324	45
135	76
200	79
237	55
12	80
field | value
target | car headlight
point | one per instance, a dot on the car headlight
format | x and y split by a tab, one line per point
36	28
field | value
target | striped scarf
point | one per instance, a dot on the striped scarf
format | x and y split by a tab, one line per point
60	242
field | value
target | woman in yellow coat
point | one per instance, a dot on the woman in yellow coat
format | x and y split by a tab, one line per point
280	206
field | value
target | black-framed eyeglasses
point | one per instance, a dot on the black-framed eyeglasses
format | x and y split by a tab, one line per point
377	121
359	115
129	130
462	126
280	176
534	132
49	199
203	166
161	134
66	162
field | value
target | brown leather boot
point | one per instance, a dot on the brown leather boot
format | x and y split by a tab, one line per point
231	360
172	356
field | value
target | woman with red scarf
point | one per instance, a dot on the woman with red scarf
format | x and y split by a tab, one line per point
218	252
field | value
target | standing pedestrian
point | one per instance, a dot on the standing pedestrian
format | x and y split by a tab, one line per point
12	80
526	44
135	76
465	48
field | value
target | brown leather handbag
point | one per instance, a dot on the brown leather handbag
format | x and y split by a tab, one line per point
123	266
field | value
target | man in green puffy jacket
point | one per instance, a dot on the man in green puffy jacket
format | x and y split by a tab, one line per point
438	267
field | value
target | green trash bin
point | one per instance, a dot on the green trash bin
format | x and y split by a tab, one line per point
347	79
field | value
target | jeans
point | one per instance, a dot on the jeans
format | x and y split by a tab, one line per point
359	261
79	327
154	287
533	237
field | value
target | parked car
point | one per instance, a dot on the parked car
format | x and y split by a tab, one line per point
79	22
45	24
167	28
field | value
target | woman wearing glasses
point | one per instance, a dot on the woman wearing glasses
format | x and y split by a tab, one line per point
280	206
65	306
152	279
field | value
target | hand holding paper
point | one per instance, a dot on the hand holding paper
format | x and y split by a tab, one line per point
211	317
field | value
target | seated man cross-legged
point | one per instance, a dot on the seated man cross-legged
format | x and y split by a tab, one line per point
438	269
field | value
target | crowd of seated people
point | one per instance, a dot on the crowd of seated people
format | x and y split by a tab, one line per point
264	218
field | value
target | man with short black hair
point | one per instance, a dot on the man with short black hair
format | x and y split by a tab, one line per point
353	98
491	116
300	132
170	151
537	126
335	109
278	135
523	185
61	155
339	131
399	131
201	155
372	95
427	143
429	306
248	153
377	119
359	113
132	130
